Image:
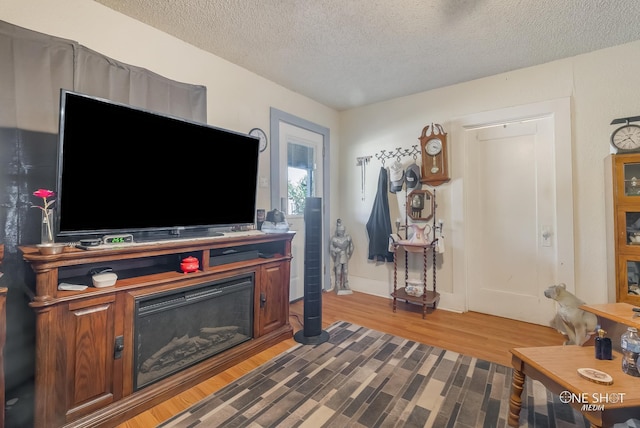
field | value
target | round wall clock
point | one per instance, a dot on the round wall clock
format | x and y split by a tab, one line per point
434	146
435	168
257	132
433	149
626	138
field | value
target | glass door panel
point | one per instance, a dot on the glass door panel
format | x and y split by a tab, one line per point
301	183
632	179
631	291
632	226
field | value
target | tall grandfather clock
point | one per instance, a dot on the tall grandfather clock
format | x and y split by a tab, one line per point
435	162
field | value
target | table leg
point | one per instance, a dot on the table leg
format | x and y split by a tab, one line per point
395	276
515	402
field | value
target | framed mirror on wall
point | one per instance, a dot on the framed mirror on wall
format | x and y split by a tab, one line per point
420	205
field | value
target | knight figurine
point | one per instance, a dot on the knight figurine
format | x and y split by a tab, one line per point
341	251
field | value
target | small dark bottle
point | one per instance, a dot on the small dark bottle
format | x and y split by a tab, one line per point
603	345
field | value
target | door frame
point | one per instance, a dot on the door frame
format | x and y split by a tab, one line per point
277	116
560	111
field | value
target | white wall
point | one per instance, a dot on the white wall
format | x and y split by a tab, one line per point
236	98
601	86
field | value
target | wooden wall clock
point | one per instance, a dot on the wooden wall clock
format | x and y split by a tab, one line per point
435	163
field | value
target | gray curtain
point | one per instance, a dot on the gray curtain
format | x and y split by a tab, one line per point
101	76
35	66
33	69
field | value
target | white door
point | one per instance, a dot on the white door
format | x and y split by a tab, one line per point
510	194
301	152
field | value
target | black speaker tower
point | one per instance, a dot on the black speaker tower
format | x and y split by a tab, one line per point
312	333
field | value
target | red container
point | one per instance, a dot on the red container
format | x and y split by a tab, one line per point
189	264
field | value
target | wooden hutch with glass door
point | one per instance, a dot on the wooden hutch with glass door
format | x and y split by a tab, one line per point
626	210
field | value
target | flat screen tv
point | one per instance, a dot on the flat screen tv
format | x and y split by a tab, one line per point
129	170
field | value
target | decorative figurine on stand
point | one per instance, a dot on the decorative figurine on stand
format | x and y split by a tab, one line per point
341	251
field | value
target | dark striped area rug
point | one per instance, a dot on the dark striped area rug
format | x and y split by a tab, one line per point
365	378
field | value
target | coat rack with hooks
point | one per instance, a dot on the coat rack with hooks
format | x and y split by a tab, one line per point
382	156
398	153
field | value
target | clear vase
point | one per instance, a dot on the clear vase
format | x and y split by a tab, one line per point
47	229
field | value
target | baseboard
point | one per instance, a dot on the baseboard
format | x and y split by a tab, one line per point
448	301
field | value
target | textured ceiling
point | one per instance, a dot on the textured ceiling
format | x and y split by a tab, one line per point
348	53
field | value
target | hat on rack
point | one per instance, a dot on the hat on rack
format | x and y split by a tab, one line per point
396	177
412	176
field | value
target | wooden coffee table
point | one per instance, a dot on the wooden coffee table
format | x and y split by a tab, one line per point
556	368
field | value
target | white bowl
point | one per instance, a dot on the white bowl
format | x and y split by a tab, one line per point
53	248
106	279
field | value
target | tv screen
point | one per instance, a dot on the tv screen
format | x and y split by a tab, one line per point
128	170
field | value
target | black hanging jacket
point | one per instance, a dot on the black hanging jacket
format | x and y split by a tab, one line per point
379	224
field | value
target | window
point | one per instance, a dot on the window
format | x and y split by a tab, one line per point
300	176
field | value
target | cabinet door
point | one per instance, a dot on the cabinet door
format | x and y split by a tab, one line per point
628	229
629	279
274	297
89	335
627	177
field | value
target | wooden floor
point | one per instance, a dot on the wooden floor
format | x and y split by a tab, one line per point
479	335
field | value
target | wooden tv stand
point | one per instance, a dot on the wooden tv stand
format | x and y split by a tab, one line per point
81	380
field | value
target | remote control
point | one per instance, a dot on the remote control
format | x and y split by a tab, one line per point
71	287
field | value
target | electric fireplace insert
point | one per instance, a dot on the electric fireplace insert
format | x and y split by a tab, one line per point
177	329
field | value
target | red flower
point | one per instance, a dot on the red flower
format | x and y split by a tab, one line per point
43	193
